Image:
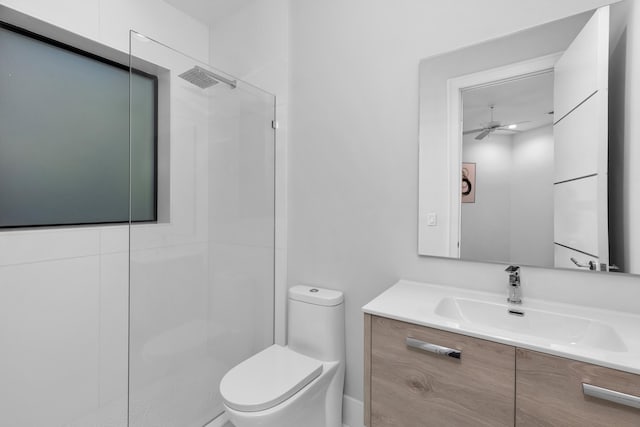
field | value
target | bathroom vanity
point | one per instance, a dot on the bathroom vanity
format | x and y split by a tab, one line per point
439	355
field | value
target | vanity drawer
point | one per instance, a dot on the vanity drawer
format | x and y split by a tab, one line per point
550	393
412	387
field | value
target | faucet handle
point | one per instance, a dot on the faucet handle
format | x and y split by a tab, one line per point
590	265
512	269
515	296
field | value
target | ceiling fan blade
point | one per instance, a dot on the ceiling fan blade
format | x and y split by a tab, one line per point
467	132
483	134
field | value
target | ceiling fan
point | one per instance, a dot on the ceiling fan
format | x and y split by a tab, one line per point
492	126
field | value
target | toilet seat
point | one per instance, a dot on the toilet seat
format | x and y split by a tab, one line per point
268	378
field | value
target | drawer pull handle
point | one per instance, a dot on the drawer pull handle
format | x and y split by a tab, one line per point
611	396
432	348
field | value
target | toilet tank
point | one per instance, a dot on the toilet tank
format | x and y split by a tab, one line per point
316	323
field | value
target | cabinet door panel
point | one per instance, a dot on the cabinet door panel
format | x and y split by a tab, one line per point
549	393
414	388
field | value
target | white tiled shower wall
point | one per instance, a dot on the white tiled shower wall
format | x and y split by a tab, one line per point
260	56
64	291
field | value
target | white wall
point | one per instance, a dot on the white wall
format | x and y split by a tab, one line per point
353	150
531	211
624	90
485	232
633	91
64	291
253	45
512	218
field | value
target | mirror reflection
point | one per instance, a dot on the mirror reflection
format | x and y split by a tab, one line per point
523	154
507	158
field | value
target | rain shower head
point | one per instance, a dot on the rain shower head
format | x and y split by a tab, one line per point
205	78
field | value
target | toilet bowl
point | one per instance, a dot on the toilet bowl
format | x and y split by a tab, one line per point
300	384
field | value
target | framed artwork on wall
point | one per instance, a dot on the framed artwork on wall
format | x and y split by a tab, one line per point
468	183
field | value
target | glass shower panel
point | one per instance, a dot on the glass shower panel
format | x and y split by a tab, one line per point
202	276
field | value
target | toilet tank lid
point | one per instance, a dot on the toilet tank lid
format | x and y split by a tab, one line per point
316	295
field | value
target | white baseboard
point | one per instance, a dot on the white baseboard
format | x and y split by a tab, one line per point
352	412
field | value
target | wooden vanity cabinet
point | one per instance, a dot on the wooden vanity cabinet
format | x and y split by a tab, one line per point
408	387
549	393
490	385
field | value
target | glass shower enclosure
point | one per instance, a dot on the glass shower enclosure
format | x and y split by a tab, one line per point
201	286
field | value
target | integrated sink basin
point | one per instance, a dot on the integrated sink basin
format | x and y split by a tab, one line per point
600	336
556	327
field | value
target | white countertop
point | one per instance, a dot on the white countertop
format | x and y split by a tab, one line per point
420	303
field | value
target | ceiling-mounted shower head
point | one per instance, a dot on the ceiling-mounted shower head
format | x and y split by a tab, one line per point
199	77
204	78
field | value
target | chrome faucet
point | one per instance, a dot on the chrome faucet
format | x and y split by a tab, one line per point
515	291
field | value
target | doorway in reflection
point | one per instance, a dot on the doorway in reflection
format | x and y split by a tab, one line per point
508	137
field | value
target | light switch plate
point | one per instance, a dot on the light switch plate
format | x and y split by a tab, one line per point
432	219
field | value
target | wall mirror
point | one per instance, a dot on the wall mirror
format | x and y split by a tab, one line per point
525	156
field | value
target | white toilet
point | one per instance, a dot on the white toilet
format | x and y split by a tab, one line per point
300	384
